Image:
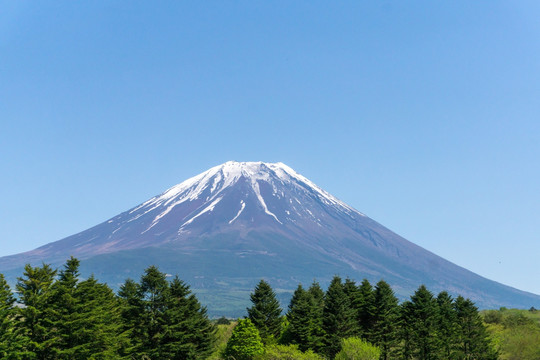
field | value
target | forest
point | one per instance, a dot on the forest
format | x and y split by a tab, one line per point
53	314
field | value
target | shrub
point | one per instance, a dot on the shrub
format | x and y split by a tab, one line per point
354	348
290	352
245	342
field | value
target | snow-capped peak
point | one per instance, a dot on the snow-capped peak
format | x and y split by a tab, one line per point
209	188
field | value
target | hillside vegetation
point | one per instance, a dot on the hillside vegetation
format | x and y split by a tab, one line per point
516	333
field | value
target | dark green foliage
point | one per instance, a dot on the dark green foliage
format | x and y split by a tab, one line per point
265	313
472	339
447	325
317	336
36	318
96	331
385	320
422	317
245	342
189	334
305	318
11	345
366	309
164	320
338	317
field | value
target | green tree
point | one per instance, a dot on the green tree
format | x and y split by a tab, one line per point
317	336
366	309
385	320
353	293
188	334
11	345
164	320
130	309
36	316
447	325
338	317
304	320
354	348
245	342
423	324
265	313
290	352
97	329
405	330
62	309
473	341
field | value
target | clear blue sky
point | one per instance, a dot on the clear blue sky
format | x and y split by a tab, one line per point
425	115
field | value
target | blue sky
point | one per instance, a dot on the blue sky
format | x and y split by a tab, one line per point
423	115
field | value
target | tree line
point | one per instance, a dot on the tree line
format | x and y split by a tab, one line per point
426	327
53	314
58	316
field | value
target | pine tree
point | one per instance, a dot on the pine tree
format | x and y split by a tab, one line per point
304	320
405	331
446	325
188	334
423	323
473	341
366	309
63	315
149	329
385	320
245	342
11	345
317	336
298	317
353	293
338	317
265	313
164	320
97	329
36	316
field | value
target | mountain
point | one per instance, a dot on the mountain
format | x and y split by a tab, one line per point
225	229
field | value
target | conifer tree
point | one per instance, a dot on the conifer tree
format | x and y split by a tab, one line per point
97	329
423	324
366	309
164	320
338	317
385	320
405	331
62	307
130	309
446	325
149	328
265	313
473	341
304	320
188	334
298	316
11	345
316	294
353	293
36	316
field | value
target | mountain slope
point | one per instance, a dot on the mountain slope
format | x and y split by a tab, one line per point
237	222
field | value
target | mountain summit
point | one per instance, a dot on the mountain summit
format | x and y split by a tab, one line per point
235	223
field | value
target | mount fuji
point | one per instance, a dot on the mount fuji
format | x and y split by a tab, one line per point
230	226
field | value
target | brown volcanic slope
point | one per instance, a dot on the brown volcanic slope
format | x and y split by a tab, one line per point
238	222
